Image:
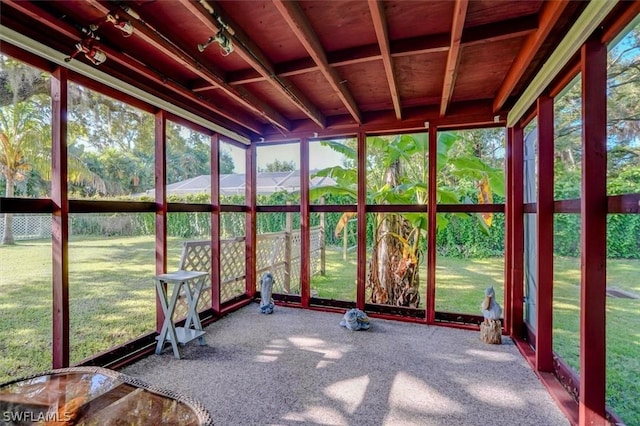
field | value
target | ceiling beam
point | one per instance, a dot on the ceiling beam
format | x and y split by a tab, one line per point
434	43
251	53
453	58
548	17
295	17
162	44
380	26
68	30
498	31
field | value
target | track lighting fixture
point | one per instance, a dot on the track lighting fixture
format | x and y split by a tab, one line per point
122	24
222	39
92	53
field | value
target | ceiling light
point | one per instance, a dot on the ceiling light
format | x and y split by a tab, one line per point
92	53
222	39
122	24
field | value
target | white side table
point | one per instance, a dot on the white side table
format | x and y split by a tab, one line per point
192	282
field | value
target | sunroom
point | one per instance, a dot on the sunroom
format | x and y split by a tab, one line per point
396	157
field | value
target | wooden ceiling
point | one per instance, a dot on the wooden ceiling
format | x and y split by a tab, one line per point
325	67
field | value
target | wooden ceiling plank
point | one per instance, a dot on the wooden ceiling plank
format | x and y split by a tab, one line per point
251	53
548	17
498	31
380	26
123	59
453	58
160	43
299	24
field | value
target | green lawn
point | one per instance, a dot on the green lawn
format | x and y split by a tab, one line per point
112	301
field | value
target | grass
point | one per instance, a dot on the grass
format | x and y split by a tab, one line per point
112	300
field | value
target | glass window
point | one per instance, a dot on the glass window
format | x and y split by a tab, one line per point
26	298
568	141
278	174
111	287
25	123
397	169
188	165
111	147
232	162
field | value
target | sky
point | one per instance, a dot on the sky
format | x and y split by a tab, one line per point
320	157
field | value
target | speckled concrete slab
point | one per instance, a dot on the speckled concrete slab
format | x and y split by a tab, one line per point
298	367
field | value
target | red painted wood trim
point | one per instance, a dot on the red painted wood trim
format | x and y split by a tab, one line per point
517	237
544	236
26	57
25	205
430	305
215	223
567	206
279	209
99	206
305	226
161	204
60	219
362	221
548	17
230	208
631	10
329	208
470	208
508	234
188	208
626	203
594	234
250	221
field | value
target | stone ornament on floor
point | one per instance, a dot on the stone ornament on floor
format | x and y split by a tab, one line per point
355	319
491	327
266	288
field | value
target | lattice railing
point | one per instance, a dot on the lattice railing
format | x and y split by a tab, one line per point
277	252
28	227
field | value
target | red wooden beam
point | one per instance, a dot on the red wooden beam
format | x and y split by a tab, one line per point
544	236
430	305
305	225
215	223
382	33
161	205
549	16
205	71
60	219
453	58
67	30
250	221
517	232
295	17
252	55
362	221
594	234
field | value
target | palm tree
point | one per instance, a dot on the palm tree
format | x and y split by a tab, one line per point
397	173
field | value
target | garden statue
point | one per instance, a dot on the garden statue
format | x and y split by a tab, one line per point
266	287
491	327
355	319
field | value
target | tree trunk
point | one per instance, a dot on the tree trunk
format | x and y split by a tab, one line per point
7	235
393	275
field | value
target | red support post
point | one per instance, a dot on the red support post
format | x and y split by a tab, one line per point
517	233
508	234
250	221
431	226
60	219
305	229
161	204
594	234
215	223
362	220
544	236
